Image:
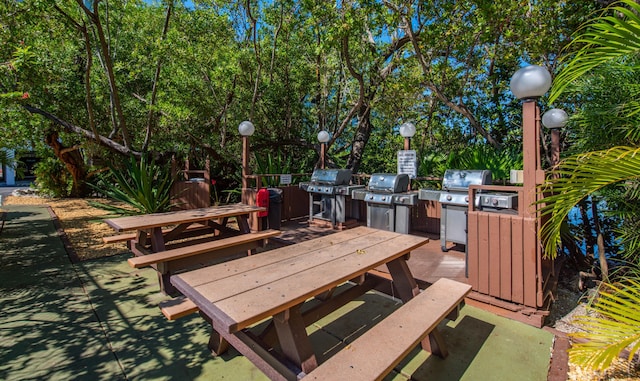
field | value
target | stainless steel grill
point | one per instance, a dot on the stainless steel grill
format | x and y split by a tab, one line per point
388	202
328	190
454	203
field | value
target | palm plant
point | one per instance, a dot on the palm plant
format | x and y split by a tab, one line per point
611	328
613	37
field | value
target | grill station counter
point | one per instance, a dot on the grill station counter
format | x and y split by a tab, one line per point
454	201
328	190
388	202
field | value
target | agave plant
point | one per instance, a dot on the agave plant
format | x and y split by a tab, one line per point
143	185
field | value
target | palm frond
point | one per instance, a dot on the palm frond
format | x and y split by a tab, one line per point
581	176
613	327
608	38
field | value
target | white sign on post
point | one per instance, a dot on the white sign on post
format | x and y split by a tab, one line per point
407	163
285	179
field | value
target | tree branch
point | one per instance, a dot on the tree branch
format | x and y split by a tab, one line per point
103	141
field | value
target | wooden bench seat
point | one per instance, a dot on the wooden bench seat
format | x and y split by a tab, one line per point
201	248
132	235
374	354
177	307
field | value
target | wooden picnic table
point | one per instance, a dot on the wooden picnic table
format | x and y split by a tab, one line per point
154	232
236	295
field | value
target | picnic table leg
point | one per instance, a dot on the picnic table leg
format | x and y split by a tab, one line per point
157	240
243	224
403	280
217	344
295	343
434	343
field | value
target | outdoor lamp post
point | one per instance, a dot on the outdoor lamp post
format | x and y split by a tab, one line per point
246	129
323	138
554	120
407	130
529	84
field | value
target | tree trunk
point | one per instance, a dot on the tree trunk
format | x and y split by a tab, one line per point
73	161
602	255
360	139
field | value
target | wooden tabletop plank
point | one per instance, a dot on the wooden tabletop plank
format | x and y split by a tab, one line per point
245	298
218	289
149	221
224	270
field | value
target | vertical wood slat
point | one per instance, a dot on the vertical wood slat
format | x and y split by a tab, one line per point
472	250
530	262
484	254
517	263
506	233
495	254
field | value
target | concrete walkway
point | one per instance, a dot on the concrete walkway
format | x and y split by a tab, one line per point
99	320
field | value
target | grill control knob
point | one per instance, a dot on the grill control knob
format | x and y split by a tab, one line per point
384	199
449	198
371	197
494	202
466	199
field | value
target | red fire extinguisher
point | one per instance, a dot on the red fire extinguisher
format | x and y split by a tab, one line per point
262	200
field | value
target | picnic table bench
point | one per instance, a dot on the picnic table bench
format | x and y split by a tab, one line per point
374	354
236	295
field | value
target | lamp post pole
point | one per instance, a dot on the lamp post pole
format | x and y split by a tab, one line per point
532	170
246	129
323	138
529	84
555	119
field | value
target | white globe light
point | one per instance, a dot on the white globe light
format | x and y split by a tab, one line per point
407	130
530	82
246	128
555	118
323	136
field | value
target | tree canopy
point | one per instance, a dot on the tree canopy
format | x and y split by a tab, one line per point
88	81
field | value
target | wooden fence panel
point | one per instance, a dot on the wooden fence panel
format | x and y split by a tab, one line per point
425	217
502	260
190	194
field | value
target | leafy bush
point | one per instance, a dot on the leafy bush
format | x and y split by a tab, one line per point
143	185
52	178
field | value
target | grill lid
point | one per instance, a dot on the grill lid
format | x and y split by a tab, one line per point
389	182
460	179
331	176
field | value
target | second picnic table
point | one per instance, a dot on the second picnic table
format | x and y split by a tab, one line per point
154	232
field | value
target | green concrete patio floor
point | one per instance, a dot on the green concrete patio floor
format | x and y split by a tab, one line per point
99	320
